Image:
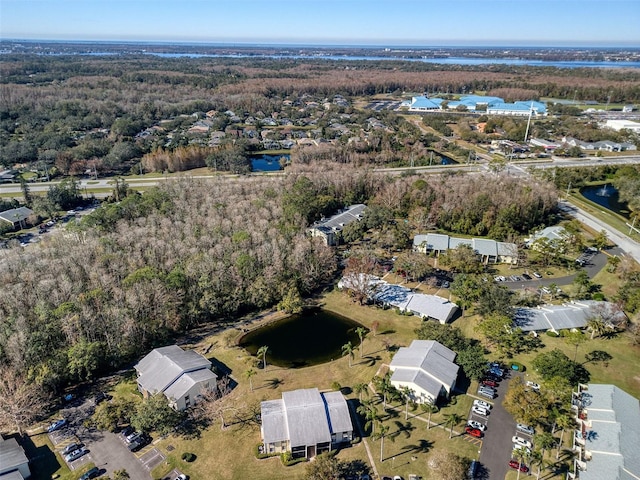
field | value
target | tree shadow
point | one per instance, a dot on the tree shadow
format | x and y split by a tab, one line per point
387	332
273	383
370	360
47	464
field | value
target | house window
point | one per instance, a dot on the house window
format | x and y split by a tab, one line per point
187	400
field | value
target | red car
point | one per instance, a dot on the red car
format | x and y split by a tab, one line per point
474	432
516	464
490	383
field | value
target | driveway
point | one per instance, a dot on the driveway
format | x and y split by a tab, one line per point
496	445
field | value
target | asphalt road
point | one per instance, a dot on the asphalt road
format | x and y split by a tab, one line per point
109	452
497	445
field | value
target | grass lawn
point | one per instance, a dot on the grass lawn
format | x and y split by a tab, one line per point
38	446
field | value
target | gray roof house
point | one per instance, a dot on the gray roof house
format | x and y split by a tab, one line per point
14	464
329	229
181	375
607	440
16	216
488	250
427	368
555	232
567	316
305	422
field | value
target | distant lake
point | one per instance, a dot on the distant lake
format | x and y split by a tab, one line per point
607	197
267	163
443	61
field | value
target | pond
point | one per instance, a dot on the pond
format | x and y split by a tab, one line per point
309	338
267	163
606	196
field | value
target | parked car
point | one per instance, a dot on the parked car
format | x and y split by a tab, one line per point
524	428
537	275
517	465
141	441
526	276
101	397
490	383
480	411
70	448
521	441
520	448
487	393
489	390
482	404
57	425
478	425
182	476
474	432
128	430
76	454
93	473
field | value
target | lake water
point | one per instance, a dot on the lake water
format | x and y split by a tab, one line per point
308	338
267	163
606	196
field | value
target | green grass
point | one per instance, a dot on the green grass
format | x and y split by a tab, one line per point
45	463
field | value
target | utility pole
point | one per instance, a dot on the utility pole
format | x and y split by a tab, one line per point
568	188
526	133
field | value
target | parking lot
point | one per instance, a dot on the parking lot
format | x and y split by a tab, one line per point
108	451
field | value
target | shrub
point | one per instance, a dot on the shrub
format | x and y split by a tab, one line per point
551	333
188	457
259	455
288	460
336	386
598	296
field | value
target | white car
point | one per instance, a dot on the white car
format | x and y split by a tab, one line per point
482	404
533	385
517	448
480	411
525	428
480	426
521	442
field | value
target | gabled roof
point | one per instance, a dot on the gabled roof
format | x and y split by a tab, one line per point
338	411
555	232
163	366
187	381
274	424
335	223
431	306
429	357
485	246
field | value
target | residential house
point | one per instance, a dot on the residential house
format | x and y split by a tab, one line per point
305	422
554	233
606	441
14	464
489	251
568	316
181	375
329	229
426	368
16	217
546	144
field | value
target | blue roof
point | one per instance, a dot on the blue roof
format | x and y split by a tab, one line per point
479	99
424	102
540	107
514	107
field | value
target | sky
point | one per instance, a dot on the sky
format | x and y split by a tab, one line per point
336	22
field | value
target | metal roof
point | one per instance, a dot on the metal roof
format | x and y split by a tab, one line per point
338	412
335	223
429	306
437	241
420	379
163	366
429	357
485	246
550	233
305	417
614	441
187	381
560	317
424	103
16	214
11	455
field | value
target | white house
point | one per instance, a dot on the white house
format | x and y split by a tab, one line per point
14	464
16	216
427	368
181	375
487	249
305	422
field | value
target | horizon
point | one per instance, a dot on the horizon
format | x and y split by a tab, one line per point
401	23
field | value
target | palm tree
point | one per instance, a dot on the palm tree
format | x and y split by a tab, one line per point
358	388
545	441
262	351
406	393
347	349
250	373
453	419
564	421
370	414
521	454
362	332
430	408
382	432
537	459
597	326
